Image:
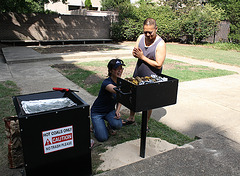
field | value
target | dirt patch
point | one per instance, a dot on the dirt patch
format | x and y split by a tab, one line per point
79	48
118	156
195	69
177	65
66	66
93	79
169	66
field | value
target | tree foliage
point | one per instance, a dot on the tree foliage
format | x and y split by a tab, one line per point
24	6
112	4
188	19
201	22
88	4
232	13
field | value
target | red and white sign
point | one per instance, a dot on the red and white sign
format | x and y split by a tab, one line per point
57	139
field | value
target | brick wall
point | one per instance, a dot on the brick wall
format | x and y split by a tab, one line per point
15	26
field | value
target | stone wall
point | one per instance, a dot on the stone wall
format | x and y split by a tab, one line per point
15	26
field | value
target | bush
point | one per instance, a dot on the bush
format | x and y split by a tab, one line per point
201	22
197	22
131	19
88	4
234	18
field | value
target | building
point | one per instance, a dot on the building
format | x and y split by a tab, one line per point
71	6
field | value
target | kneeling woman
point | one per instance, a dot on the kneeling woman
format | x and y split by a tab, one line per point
104	106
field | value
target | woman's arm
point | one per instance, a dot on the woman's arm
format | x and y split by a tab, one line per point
110	87
118	115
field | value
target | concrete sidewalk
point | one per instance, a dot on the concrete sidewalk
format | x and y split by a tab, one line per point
27	54
207	108
204	104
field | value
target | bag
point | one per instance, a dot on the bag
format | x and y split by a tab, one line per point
15	150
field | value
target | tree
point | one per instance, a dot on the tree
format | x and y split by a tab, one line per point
112	4
131	19
24	6
201	22
188	17
88	4
179	4
232	13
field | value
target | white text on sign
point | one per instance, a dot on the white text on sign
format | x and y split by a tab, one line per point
57	139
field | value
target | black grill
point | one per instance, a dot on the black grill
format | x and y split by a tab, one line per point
149	96
146	97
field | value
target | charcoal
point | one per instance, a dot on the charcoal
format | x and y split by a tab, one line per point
147	80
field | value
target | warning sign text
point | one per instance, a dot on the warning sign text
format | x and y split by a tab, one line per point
57	139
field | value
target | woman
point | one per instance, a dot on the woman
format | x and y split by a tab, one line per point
104	106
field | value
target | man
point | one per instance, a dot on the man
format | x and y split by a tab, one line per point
150	49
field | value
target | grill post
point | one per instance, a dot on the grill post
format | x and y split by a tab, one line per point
143	134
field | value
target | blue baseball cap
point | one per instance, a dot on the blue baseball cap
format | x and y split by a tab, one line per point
118	63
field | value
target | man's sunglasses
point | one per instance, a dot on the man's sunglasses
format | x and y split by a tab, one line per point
146	32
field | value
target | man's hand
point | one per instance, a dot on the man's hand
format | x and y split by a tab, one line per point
138	53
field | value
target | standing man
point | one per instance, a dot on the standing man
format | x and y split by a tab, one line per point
150	49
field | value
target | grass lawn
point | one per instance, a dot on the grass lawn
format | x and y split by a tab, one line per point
187	72
7	90
223	46
205	53
90	75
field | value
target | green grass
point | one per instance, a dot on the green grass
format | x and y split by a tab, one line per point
179	70
189	72
78	76
7	90
224	46
205	53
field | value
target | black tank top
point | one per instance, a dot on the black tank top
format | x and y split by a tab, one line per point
142	68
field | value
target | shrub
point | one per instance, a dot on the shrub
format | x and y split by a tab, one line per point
197	22
131	20
201	22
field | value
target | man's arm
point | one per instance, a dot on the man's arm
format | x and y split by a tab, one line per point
160	55
137	43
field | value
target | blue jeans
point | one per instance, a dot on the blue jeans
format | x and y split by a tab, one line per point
99	127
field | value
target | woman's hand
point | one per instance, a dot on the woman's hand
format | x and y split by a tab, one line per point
118	115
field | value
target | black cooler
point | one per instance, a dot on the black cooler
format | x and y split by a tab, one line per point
55	142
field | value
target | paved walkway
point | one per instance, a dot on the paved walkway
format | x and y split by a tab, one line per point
207	108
